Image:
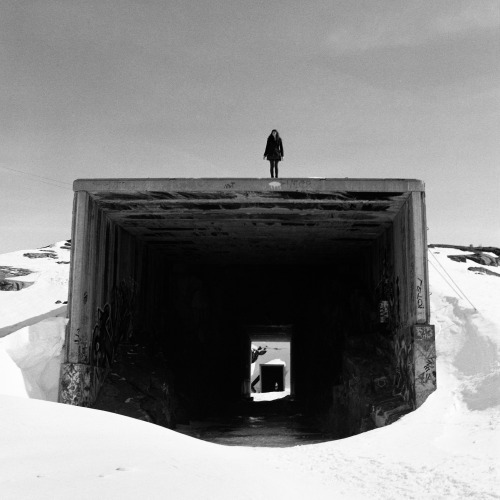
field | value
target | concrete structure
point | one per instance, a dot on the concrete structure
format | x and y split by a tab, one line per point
189	267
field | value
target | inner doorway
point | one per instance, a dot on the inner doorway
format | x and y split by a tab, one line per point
272	378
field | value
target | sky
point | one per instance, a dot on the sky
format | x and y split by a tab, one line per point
150	88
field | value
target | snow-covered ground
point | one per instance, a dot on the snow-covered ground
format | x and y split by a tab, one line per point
43	299
447	449
270	396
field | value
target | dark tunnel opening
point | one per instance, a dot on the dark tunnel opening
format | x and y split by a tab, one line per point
196	320
167	298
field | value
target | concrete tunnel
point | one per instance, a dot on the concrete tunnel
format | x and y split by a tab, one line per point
194	270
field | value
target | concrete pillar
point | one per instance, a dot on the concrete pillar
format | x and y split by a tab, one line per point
76	374
246	389
424	346
81	281
424	352
419	243
290	368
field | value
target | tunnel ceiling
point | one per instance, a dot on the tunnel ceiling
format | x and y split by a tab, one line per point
248	218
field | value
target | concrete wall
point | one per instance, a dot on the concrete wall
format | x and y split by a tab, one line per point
389	356
408	296
402	290
105	275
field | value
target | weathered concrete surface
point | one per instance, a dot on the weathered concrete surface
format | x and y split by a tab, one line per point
425	362
234	218
209	184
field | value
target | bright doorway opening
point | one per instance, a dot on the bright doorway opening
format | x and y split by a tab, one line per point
270	371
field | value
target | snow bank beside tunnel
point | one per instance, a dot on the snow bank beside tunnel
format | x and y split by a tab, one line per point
465	311
30	360
32	321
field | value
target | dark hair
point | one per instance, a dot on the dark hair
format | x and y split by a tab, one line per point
277	133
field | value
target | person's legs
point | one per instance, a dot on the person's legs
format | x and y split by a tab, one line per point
274	168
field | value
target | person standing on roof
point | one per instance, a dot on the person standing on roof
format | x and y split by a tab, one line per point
274	152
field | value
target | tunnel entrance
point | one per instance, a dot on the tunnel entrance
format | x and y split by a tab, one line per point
174	280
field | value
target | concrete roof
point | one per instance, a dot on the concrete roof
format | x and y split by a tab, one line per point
247	218
288	184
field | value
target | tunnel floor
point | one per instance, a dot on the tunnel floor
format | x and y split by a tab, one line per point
282	422
279	423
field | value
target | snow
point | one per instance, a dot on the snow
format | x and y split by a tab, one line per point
32	324
31	305
51	451
270	396
449	448
33	355
275	361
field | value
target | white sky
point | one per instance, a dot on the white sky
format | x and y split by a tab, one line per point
147	88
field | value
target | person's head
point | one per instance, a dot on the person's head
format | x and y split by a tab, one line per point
275	133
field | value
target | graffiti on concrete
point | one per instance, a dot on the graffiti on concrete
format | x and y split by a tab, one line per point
403	380
403	345
425	334
101	353
83	348
124	302
80	382
275	185
383	311
389	308
420	292
430	362
429	373
113	325
425	361
76	384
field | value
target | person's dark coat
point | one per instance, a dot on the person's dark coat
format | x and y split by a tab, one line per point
274	148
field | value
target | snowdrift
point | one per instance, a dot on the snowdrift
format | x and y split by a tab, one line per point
449	448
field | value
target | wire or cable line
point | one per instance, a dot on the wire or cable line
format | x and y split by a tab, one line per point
443	307
457	292
447	274
452	280
40	178
50	183
34	175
